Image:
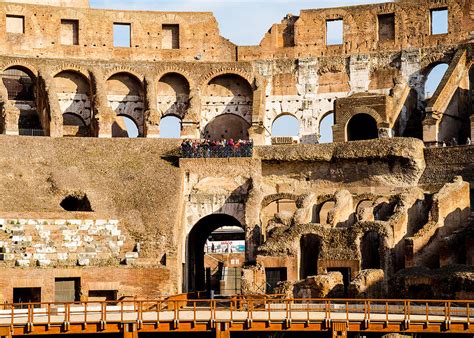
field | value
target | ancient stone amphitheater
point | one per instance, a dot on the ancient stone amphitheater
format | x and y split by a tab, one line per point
382	211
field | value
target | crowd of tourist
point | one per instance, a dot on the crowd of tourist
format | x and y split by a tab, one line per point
223	148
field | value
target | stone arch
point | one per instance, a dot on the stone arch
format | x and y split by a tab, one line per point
173	92
286	120
196	240
74	95
126	97
125	126
275	197
227	94
21	85
27	68
361	126
251	80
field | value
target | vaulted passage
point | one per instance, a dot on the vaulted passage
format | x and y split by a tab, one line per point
73	91
227	103
125	96
196	248
362	127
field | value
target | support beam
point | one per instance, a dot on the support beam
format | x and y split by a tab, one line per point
222	330
130	330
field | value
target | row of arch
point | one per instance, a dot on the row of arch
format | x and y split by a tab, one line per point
225	94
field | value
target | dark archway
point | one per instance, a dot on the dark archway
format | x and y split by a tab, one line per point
226	127
309	253
362	127
196	245
370	250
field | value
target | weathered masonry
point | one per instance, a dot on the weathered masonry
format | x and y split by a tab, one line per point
383	210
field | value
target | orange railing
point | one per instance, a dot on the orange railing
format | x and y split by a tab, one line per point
239	309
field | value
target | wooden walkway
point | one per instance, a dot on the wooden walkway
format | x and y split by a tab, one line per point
334	316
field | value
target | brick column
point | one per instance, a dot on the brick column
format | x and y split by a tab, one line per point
104	116
55	114
430	130
257	130
191	121
152	115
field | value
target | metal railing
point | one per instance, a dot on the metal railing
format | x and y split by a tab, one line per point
240	309
208	151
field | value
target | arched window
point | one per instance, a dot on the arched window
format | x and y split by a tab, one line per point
362	127
73	91
170	127
434	79
125	96
173	94
325	129
124	126
286	125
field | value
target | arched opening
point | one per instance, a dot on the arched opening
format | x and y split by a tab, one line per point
73	92
282	208
231	95
325	128
321	214
21	87
286	126
364	211
409	122
126	127
125	96
173	95
361	127
370	250
202	239
434	78
170	127
309	254
226	127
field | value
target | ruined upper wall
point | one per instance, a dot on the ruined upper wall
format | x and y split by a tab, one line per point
197	38
49	32
62	3
305	36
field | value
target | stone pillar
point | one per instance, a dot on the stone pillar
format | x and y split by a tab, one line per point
472	127
130	330
10	119
222	330
55	114
104	116
191	121
385	131
152	115
430	130
257	129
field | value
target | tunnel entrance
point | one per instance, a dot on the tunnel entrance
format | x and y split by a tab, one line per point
362	127
216	254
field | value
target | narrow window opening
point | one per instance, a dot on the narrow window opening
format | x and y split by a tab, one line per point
273	276
439	21
69	32
122	35
334	32
386	23
26	295
15	24
170	37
